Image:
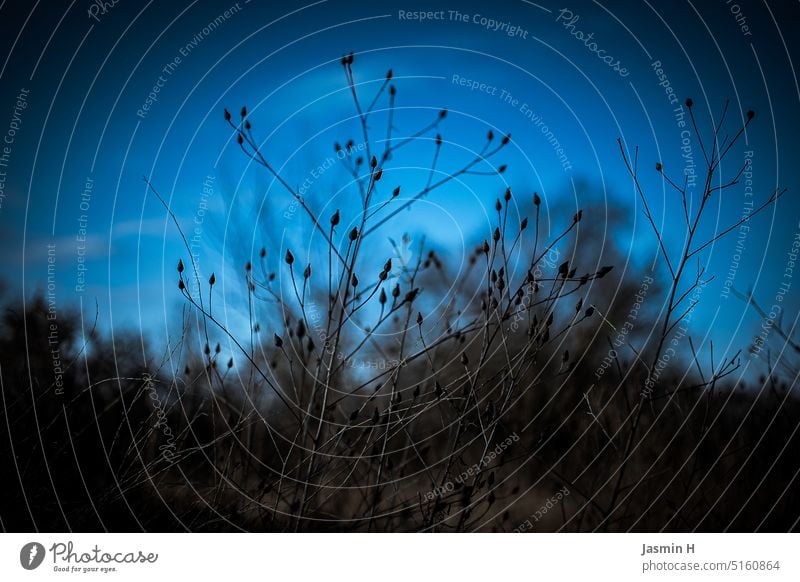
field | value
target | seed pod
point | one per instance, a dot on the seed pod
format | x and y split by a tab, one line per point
354	280
373	162
392	90
248	266
438	139
443	114
689	102
335	218
490	135
485	247
497	205
354	234
244	111
382	296
506	139
289	257
496	234
536	200
396	192
278	341
419	318
207	349
604	271
212	279
230	363
227	115
389	75
502	169
180	266
563	268
396	291
750	114
263	252
240	139
659	167
524	224
181	286
589	312
578	216
378	175
507	195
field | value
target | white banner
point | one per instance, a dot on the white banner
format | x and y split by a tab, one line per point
400	557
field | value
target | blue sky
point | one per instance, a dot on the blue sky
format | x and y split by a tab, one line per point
88	77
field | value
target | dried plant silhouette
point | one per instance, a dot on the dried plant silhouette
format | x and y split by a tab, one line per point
411	392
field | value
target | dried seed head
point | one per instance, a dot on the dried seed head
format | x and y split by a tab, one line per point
263	252
212	279
411	295
536	200
604	271
506	139
578	216
378	175
335	218
230	363
227	115
278	340
497	205
373	162
392	90
354	280
207	349
180	265
443	114
354	234
389	75
217	348
307	272
659	167
310	345
244	111
496	234
502	169
750	114
438	139
490	135
181	286
419	318
239	139
248	266
524	224
689	102
387	266
485	247
396	291
507	195
248	125
289	257
301	329
396	192
382	297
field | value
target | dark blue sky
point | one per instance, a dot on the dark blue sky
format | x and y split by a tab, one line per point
86	74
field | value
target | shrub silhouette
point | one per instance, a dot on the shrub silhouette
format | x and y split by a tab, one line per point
406	392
